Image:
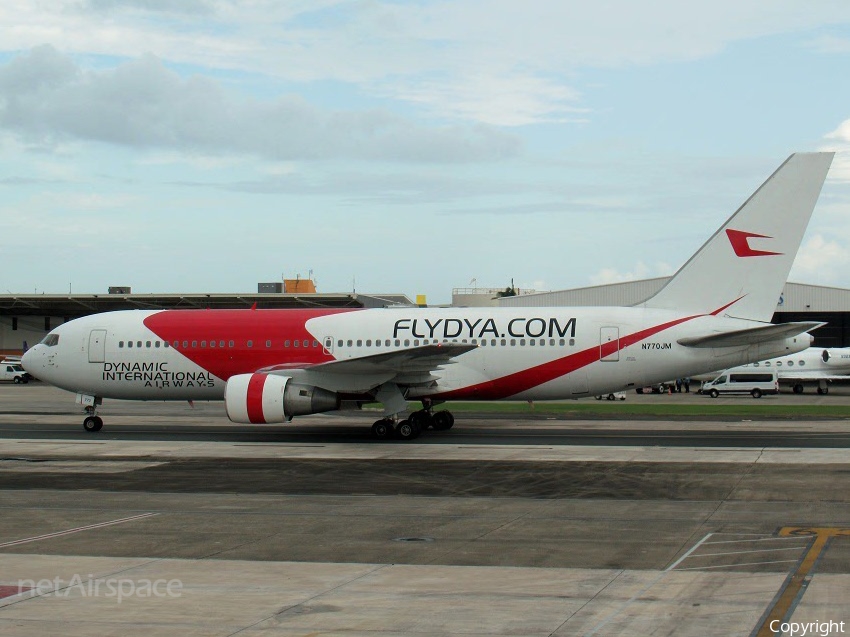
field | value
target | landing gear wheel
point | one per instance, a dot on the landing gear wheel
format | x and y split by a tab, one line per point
798	388
93	423
714	393
422	418
756	393
443	420
383	429
407	430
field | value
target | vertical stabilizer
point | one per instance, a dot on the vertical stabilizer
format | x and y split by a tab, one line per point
746	262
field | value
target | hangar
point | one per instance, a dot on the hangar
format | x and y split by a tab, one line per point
798	302
28	318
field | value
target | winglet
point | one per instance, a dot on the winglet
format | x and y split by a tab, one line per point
750	256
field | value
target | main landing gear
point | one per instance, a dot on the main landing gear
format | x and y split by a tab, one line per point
412	426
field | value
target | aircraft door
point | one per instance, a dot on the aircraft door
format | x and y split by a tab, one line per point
609	344
97	346
328	344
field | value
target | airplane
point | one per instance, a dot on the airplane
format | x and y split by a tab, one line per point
812	366
272	365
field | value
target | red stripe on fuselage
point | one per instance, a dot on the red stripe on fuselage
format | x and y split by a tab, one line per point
254	399
242	326
516	383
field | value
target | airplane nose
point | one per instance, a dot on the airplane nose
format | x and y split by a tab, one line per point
28	362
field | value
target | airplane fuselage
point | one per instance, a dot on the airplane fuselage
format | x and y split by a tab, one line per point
519	353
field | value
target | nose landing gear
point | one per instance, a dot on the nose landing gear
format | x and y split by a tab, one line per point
92	421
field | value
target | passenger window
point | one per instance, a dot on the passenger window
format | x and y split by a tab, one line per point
790	363
231	344
407	342
522	341
138	343
296	343
387	342
572	341
306	343
221	343
148	344
166	344
562	342
339	343
349	343
121	344
359	343
268	343
493	342
156	344
194	344
250	343
531	342
129	343
397	342
779	363
185	344
377	343
287	343
802	363
513	342
203	343
315	343
369	343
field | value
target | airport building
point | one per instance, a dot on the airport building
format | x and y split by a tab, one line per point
29	317
798	302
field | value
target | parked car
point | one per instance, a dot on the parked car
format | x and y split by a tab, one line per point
14	372
617	395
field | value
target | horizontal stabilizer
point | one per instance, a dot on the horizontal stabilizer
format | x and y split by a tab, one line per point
751	336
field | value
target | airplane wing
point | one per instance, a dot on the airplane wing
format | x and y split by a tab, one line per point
750	336
406	368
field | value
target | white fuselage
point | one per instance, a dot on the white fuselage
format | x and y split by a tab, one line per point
520	354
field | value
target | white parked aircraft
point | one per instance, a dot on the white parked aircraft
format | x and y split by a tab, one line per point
811	367
271	365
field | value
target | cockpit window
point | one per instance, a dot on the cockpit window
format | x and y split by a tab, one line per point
51	340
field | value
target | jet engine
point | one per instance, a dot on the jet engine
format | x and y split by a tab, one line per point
264	398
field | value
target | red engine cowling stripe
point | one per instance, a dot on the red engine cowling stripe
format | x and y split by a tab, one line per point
254	398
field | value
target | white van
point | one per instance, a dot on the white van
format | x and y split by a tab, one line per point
10	370
750	382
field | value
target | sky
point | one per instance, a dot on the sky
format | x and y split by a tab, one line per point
405	147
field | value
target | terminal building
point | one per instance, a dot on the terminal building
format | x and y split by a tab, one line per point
28	318
798	302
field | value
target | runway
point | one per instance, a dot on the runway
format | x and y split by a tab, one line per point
496	527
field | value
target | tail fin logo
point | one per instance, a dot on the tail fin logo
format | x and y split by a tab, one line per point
741	243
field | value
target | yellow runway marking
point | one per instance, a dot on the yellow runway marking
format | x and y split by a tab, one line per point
799	580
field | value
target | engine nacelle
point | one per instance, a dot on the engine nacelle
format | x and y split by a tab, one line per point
263	398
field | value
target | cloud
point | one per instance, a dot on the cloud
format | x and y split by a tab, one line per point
838	141
495	61
607	276
45	97
821	260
